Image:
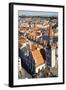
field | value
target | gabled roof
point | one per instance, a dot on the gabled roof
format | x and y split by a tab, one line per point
37	57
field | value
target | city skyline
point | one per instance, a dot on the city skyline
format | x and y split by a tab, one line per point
36	13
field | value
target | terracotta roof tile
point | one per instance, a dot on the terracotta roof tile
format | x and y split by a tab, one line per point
37	57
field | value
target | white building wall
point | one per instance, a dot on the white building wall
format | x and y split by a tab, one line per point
39	67
30	43
19	64
53	56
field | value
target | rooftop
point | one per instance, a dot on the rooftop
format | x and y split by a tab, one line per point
38	57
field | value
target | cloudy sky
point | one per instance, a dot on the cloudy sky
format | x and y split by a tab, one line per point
36	13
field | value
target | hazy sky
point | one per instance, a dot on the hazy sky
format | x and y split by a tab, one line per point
36	13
